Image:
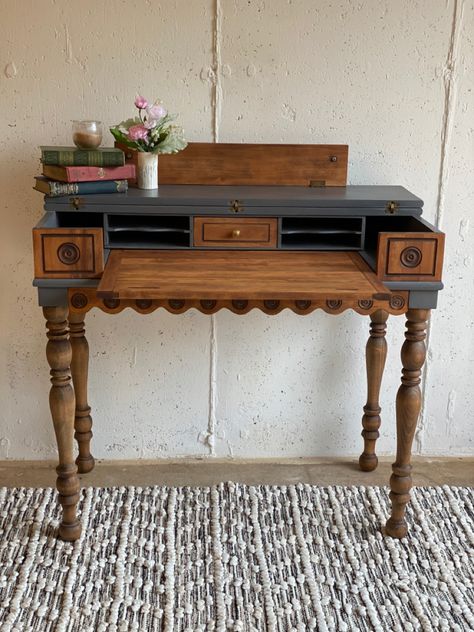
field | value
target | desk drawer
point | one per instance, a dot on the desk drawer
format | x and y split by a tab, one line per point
410	256
68	253
251	232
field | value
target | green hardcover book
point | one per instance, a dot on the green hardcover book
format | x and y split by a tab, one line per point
74	157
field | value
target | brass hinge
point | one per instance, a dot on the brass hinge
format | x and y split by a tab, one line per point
392	207
236	206
76	202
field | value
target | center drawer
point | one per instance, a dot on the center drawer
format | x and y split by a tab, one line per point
251	232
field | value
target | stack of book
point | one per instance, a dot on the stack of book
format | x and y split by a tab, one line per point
73	171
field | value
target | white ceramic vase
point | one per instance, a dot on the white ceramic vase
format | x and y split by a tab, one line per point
147	170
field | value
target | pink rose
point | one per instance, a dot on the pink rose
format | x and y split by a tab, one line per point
140	102
156	112
137	132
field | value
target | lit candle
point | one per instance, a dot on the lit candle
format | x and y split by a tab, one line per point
87	134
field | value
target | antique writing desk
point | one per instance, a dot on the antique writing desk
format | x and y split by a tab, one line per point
241	227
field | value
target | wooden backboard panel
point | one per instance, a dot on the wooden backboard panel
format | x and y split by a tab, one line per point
253	164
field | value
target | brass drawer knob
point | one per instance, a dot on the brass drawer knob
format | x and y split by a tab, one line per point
236	233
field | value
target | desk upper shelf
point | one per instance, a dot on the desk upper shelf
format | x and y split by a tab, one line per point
76	234
247	200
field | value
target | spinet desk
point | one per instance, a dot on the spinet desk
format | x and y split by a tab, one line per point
239	227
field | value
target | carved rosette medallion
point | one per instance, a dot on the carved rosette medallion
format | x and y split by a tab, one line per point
79	300
334	304
68	254
271	304
111	303
411	257
143	303
397	301
365	303
176	303
303	304
239	304
208	304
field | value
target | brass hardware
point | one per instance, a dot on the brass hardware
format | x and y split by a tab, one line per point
317	183
392	207
236	233
76	202
236	206
333	158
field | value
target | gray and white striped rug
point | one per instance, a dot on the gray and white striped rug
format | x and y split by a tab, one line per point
236	557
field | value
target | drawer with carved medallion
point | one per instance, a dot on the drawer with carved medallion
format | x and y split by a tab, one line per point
68	252
409	249
407	255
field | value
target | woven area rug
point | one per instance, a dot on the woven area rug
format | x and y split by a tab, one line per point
236	557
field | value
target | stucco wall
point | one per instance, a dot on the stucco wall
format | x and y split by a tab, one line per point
394	80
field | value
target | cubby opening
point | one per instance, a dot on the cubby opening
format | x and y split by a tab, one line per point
147	231
322	233
386	224
79	219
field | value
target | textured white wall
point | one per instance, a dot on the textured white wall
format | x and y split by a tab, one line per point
392	79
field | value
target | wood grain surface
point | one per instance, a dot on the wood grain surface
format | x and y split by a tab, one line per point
247	164
234	274
68	252
251	232
410	255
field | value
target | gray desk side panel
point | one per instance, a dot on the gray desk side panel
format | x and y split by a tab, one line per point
53	292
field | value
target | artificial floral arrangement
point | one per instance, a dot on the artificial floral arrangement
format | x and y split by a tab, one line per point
151	131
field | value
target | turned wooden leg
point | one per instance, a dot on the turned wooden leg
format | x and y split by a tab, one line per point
79	371
61	402
375	355
408	409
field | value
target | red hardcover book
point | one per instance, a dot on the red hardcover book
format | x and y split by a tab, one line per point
89	174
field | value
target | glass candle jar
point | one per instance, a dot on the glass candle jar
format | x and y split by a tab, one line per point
87	134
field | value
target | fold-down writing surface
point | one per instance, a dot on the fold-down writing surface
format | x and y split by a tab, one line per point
197	274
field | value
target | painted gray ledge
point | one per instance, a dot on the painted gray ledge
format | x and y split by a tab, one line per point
345	199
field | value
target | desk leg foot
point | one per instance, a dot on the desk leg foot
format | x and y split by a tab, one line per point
62	403
375	355
408	409
79	370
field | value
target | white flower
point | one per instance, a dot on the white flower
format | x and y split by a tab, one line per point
150	123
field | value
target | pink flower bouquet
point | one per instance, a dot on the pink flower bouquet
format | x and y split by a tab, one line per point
151	131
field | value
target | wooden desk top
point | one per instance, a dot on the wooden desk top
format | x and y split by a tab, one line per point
154	274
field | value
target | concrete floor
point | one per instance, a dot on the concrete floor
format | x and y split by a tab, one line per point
317	471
